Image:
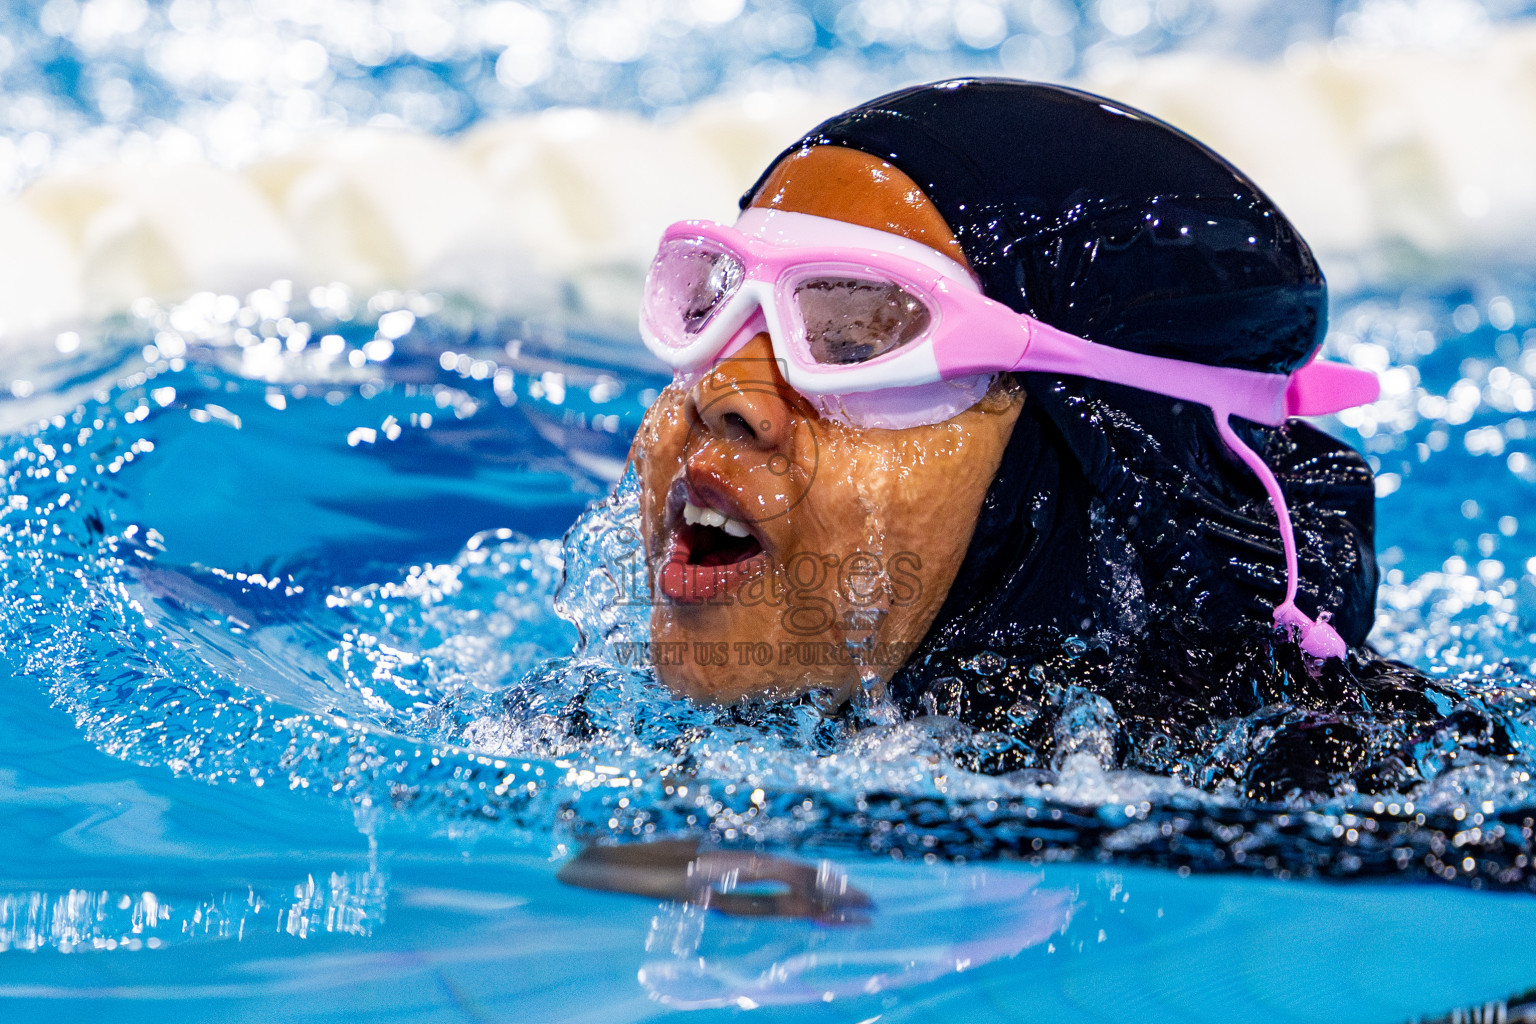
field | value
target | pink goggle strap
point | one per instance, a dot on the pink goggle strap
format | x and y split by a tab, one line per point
1320	388
1315	636
1315	389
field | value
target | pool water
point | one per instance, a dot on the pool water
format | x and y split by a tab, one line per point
319	664
296	655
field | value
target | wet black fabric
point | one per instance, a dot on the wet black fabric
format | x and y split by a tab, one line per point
1218	710
1101	220
1119	519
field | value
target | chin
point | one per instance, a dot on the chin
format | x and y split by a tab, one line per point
724	653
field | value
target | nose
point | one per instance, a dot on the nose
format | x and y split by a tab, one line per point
745	399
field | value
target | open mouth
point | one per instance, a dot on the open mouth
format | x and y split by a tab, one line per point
711	553
707	537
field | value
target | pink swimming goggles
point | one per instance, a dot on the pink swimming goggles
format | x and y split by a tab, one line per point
879	331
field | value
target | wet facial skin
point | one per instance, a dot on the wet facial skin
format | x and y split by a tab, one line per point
836	539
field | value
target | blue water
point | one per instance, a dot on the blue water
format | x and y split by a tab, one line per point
288	726
309	692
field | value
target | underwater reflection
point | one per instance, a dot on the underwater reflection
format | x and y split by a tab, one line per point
964	918
738	882
93	918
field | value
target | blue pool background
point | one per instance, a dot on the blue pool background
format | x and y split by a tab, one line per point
302	566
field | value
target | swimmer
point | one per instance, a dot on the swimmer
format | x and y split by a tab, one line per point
985	404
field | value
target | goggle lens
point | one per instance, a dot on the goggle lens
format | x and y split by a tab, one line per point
849	320
688	283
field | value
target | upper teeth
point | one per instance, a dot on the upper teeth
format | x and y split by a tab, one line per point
709	517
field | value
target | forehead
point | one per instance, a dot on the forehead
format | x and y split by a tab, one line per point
846	184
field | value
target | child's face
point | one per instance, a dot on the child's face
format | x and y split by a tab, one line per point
853	537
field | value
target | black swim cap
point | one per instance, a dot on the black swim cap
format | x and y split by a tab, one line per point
1116	512
1100	220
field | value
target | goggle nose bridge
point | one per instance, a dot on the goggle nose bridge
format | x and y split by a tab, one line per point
754	299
